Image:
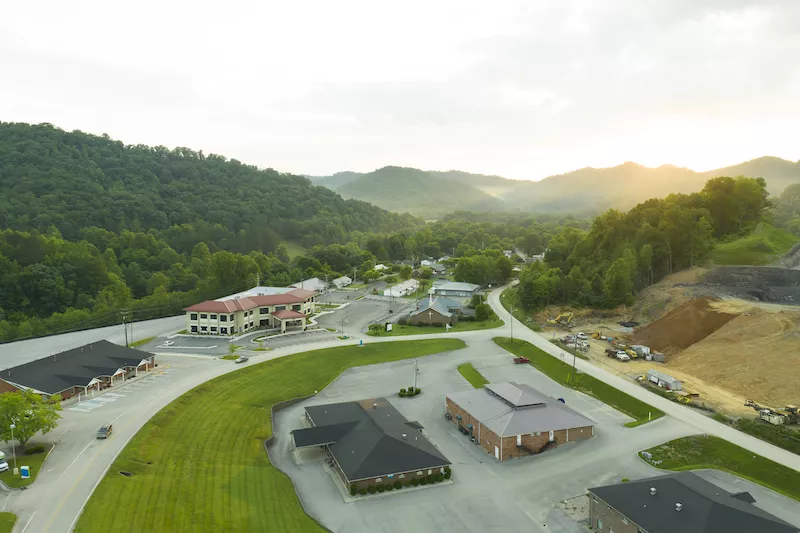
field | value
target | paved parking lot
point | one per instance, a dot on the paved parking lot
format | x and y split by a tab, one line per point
358	315
486	495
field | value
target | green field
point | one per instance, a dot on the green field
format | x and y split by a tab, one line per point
199	465
764	245
696	452
293	248
562	373
399	330
141	342
34	461
7	521
474	377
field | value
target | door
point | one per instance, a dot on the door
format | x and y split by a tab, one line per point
519	440
552	436
496	452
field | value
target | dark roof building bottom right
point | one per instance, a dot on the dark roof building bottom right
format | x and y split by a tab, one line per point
682	502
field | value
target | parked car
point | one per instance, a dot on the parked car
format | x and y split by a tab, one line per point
3	465
169	343
104	431
582	336
242	359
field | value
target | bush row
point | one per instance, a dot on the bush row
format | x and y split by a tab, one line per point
397	485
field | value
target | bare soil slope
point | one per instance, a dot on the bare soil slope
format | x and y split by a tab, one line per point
756	354
685	325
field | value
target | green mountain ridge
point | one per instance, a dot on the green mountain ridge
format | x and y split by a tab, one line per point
584	190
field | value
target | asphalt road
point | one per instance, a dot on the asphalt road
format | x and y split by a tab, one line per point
21	352
53	503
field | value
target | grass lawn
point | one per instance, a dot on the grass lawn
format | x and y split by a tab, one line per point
510	298
199	465
141	341
294	249
34	461
7	521
691	453
230	357
765	244
474	377
561	373
398	330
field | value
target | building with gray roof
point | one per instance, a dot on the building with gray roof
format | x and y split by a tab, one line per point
512	420
457	289
682	502
370	442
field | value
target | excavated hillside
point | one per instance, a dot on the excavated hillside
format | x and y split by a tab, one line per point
684	326
756	354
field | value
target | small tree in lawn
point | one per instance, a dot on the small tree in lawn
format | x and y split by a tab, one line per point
29	413
376	329
482	312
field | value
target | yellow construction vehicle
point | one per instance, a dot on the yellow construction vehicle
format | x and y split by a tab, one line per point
597	335
564	319
631	353
783	415
684	399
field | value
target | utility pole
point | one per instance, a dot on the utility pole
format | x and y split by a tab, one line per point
125	326
354	274
131	325
415	374
511	307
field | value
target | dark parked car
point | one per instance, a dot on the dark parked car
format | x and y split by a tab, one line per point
104	431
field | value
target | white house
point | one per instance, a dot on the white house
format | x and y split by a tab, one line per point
426	262
508	253
380	267
342	282
402	289
312	284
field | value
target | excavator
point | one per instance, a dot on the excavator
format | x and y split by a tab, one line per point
782	415
564	319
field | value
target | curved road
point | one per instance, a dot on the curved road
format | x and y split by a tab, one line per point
54	503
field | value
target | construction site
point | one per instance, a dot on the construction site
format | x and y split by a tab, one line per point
730	336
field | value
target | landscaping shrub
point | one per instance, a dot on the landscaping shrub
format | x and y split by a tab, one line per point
381	488
415	482
423	481
363	492
389	487
403	321
402	392
30	450
625	480
371	489
440	477
447	474
352	490
398	485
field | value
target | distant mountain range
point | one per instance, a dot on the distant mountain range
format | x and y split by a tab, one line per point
432	193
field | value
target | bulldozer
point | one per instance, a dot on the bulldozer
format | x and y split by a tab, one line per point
782	415
564	319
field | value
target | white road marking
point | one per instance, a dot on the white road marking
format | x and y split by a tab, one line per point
73	461
79	410
29	522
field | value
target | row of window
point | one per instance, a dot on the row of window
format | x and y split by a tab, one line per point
212	329
226	318
403	476
213	316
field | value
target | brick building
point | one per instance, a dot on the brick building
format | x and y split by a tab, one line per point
92	367
512	420
682	502
370	443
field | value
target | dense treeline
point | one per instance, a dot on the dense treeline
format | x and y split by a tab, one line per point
73	180
624	252
787	209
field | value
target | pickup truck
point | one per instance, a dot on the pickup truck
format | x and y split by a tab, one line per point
521	360
105	431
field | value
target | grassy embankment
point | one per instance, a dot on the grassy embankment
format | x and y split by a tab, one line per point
696	452
509	298
199	464
140	342
7	521
34	461
562	373
764	245
474	377
294	248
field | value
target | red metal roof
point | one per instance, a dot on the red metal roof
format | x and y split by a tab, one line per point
287	313
244	304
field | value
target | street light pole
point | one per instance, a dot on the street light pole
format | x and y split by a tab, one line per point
511	310
14	447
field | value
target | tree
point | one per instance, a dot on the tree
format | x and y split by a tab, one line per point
30	413
617	284
371	275
482	312
405	271
376	328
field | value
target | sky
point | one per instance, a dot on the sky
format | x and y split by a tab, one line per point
521	89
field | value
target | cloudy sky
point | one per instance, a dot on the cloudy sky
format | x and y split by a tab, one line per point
522	89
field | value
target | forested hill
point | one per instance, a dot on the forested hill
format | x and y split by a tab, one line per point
410	190
74	180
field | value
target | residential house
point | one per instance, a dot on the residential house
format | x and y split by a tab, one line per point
313	284
678	502
370	443
342	282
512	420
380	267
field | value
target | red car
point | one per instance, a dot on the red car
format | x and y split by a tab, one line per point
520	360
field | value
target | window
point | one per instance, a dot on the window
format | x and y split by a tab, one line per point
600	524
213	329
419	473
402	476
193	316
430	472
231	318
203	315
224	331
251	312
223	318
203	328
297	307
280	307
264	310
213	316
194	329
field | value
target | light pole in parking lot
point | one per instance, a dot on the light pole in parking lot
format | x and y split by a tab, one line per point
13	447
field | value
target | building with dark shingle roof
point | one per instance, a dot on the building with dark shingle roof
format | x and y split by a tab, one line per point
370	442
682	502
91	367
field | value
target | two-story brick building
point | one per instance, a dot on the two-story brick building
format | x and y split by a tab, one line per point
260	307
511	420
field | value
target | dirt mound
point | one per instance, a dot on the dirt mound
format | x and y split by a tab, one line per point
683	326
757	354
674	290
